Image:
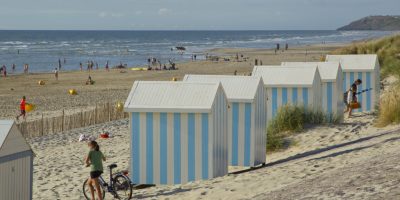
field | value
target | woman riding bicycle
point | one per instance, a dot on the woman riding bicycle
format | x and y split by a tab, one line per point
95	160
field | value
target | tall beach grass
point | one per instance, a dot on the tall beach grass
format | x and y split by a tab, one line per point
389	108
291	119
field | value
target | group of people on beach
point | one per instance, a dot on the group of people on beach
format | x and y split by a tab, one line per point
155	64
3	69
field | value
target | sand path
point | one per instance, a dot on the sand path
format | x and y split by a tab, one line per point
352	160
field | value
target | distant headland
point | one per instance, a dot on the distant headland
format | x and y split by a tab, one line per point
374	23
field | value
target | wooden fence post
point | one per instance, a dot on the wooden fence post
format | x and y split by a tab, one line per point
81	118
42	126
62	123
109	112
95	114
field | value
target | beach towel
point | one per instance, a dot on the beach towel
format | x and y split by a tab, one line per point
84	137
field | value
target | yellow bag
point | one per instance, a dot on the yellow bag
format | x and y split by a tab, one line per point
29	107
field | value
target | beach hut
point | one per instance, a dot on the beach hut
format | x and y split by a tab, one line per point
366	68
179	131
331	78
16	163
246	117
289	85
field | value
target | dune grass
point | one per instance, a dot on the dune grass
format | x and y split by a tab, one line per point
291	119
387	49
389	108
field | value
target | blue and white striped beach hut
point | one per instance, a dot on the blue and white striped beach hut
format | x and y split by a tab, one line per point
246	117
179	131
16	163
331	78
366	68
289	85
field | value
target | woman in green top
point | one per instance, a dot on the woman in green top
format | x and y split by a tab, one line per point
95	160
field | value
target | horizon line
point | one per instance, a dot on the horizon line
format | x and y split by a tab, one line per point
169	30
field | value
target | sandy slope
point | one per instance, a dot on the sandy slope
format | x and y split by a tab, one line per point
352	160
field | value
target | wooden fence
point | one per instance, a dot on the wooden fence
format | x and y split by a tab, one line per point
49	125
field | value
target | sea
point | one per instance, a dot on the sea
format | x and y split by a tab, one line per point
42	50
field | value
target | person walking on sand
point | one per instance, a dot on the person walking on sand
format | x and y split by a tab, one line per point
59	64
4	70
13	67
95	159
107	66
56	73
22	108
352	96
80	65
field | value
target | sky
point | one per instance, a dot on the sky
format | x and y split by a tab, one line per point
188	14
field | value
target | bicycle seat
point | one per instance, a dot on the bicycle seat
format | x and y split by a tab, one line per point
112	166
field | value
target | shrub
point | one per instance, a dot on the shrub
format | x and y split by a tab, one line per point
389	108
290	119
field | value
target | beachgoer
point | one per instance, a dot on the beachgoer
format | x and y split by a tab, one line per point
81	66
89	81
107	66
59	64
286	46
26	68
22	108
4	71
352	96
65	61
235	73
277	46
95	160
195	56
13	67
97	65
56	73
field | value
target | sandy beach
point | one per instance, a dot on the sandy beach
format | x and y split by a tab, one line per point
114	86
353	160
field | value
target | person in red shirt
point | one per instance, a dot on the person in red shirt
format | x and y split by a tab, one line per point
22	108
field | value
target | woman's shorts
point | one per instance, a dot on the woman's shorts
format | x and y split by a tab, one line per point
95	174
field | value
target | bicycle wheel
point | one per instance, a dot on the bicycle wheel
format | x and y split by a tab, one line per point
86	191
122	187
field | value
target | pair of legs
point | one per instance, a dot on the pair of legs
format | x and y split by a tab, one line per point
349	109
23	113
90	183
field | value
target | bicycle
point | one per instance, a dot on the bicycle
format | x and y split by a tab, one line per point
119	185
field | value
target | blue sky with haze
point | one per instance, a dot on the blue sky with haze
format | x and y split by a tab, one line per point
188	14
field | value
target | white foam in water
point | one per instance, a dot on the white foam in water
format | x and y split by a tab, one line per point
44	48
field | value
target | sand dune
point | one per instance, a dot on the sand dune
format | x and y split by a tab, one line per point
353	160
